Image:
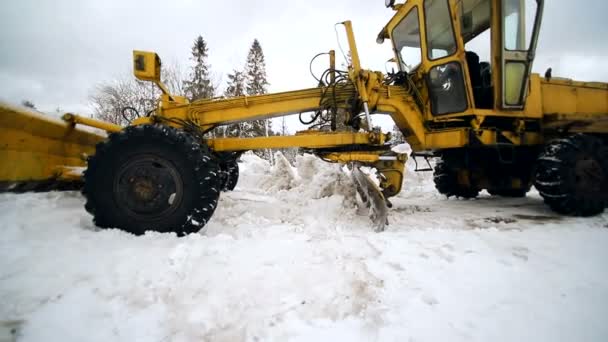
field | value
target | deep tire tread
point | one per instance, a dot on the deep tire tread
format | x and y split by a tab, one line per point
446	182
196	156
230	170
555	175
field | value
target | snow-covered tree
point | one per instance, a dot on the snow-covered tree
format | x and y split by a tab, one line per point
236	84
257	84
235	88
256	70
199	85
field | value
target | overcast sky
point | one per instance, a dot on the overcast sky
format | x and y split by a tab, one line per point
54	52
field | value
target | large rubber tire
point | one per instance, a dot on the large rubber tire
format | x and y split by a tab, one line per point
151	177
230	168
572	175
446	181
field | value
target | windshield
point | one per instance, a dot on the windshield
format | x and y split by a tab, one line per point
439	33
406	38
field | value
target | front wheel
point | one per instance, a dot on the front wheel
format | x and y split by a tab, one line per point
151	177
572	175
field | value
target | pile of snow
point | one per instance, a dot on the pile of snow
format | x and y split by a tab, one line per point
294	262
310	177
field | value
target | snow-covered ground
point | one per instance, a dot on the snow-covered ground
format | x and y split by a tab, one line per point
294	260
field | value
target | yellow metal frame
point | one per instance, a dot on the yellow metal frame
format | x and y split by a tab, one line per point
77	119
312	140
35	147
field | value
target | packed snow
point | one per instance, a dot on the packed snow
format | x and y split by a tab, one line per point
288	256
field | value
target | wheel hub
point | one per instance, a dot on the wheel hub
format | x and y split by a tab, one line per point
149	187
144	189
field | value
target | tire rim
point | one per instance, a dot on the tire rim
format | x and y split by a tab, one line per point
148	187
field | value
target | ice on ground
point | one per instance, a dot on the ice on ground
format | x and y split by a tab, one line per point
298	264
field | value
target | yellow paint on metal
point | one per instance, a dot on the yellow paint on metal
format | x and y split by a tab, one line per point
317	140
224	111
564	97
36	147
455	138
356	72
143	121
393	172
406	116
77	119
347	157
146	66
446	139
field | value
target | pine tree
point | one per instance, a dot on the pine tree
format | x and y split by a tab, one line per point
236	84
199	85
255	72
235	87
256	83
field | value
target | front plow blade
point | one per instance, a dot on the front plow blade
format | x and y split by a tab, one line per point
41	153
372	198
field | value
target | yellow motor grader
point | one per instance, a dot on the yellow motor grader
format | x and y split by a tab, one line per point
492	125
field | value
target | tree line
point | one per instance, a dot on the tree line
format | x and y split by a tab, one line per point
122	100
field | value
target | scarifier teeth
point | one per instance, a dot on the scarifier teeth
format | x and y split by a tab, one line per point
372	198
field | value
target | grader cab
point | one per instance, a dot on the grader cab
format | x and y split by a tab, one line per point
491	123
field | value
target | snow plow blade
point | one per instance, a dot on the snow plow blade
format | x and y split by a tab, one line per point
372	198
41	153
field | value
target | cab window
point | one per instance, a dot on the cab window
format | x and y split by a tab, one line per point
447	92
406	38
519	17
439	32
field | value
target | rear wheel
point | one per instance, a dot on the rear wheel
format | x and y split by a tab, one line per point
447	183
151	178
572	175
230	168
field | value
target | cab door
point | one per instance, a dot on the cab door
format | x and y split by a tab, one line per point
520	25
443	60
